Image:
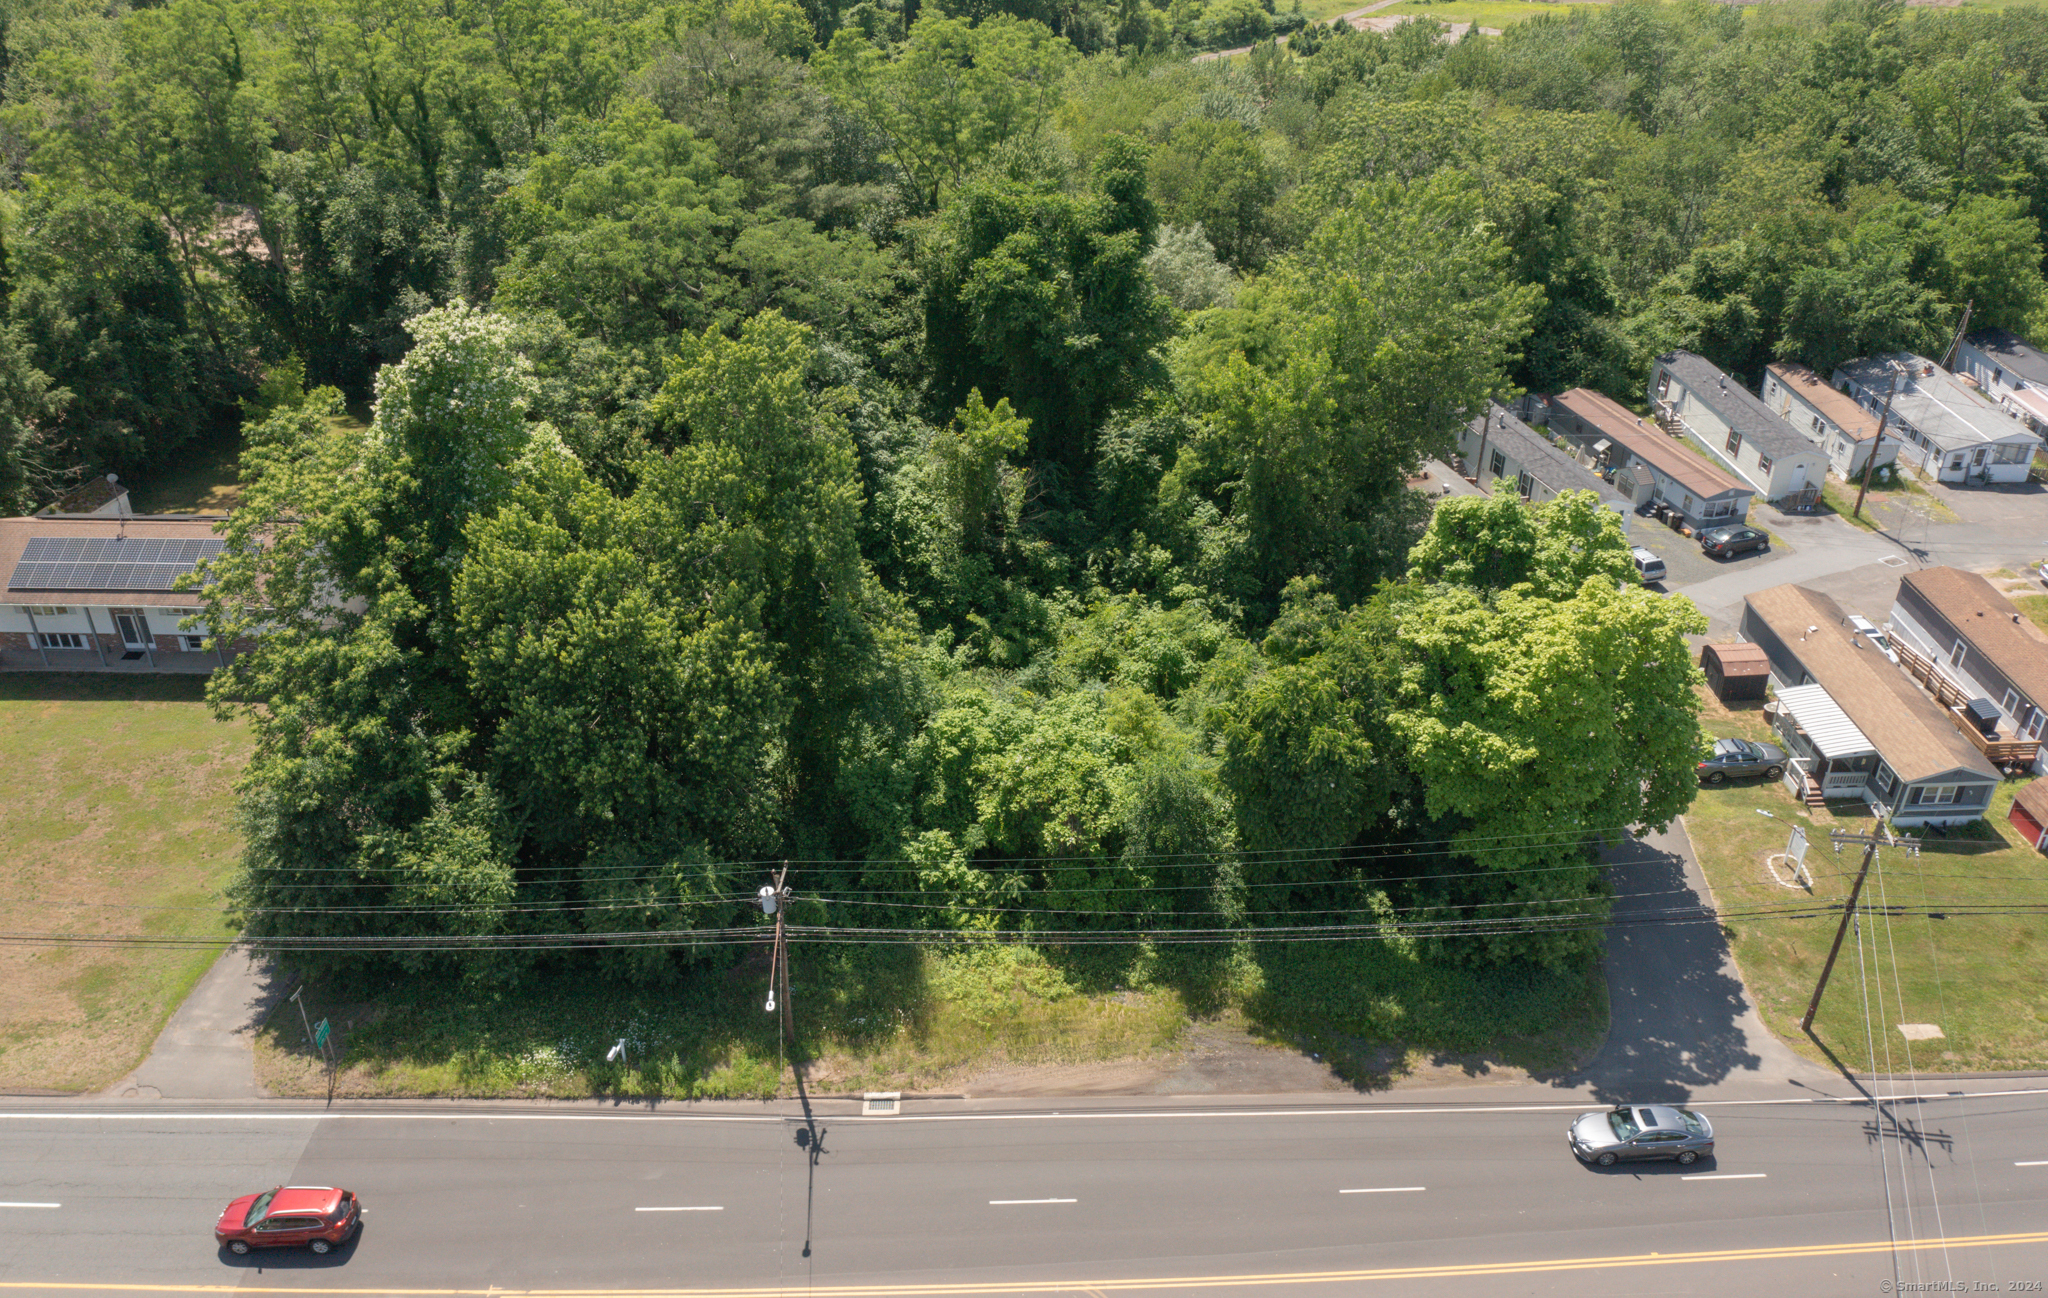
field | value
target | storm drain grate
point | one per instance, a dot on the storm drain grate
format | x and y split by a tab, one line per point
881	1103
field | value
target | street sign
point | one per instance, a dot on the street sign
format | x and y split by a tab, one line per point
320	1034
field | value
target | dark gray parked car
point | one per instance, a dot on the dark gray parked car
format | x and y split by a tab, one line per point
1641	1131
1741	757
1728	541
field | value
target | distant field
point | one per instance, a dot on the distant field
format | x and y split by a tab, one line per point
1976	977
1486	13
118	803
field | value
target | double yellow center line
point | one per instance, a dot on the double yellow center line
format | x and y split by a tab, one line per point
1155	1284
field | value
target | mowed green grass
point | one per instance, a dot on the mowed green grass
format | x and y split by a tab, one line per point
1497	14
904	1018
1976	977
117	818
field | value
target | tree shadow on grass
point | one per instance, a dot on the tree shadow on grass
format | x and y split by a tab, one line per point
100	687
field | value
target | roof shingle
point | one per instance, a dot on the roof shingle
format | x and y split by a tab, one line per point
1909	729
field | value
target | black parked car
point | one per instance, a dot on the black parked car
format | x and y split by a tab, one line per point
1726	542
1741	757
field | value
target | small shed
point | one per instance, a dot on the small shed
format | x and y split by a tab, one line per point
2029	814
1735	671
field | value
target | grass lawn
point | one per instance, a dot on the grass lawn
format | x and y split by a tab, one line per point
1498	14
2035	607
117	819
922	1019
1977	978
202	481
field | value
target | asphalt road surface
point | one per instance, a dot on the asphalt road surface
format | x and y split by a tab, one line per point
1473	1193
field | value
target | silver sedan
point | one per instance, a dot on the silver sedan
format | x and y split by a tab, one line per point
1641	1131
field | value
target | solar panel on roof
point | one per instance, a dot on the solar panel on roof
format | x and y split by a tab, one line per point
108	562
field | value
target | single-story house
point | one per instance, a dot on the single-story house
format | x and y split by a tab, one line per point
2029	814
1692	394
1829	419
1645	463
2011	370
95	497
1497	446
1855	725
1980	641
1947	427
87	591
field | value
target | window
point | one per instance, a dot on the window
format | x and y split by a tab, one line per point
2011	453
1763	464
1688	505
1526	485
1955	655
1734	441
60	640
1948	795
1664	383
195	643
1719	509
1886	781
1500	463
2010	704
1816	423
49	610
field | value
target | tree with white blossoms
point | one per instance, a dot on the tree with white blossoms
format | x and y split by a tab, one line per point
339	566
449	423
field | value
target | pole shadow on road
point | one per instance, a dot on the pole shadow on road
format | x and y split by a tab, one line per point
1675	1004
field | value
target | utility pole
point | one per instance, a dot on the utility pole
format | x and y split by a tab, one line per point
1870	465
810	1137
1870	843
1957	341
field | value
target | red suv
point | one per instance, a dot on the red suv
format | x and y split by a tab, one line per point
317	1216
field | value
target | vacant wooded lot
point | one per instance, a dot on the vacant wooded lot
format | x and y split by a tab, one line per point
117	818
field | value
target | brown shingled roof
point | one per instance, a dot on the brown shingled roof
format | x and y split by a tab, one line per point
1911	733
1843	410
1992	624
89	495
15	534
2033	799
1656	448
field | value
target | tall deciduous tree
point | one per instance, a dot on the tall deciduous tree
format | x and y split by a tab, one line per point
1337	374
951	94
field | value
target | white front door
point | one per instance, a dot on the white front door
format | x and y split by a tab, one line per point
134	629
1798	477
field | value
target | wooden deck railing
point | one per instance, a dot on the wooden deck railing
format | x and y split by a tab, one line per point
1951	697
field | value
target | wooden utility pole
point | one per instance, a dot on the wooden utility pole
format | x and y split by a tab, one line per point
1870	465
1848	913
1957	341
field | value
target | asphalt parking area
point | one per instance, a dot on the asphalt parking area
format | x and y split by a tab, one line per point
1684	565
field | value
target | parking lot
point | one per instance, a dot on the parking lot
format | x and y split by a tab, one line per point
1683	563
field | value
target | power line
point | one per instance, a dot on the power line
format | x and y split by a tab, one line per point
1571	921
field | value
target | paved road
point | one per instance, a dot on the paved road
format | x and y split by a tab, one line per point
1473	1195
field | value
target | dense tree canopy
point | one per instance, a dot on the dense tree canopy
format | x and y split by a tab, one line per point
964	446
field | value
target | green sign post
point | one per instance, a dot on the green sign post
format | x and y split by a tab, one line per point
320	1035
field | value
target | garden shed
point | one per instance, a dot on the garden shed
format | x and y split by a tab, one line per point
1735	671
2029	814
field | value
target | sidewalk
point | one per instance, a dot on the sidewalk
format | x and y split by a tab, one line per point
208	1049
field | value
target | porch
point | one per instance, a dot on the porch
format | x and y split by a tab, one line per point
134	661
1832	761
2006	754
